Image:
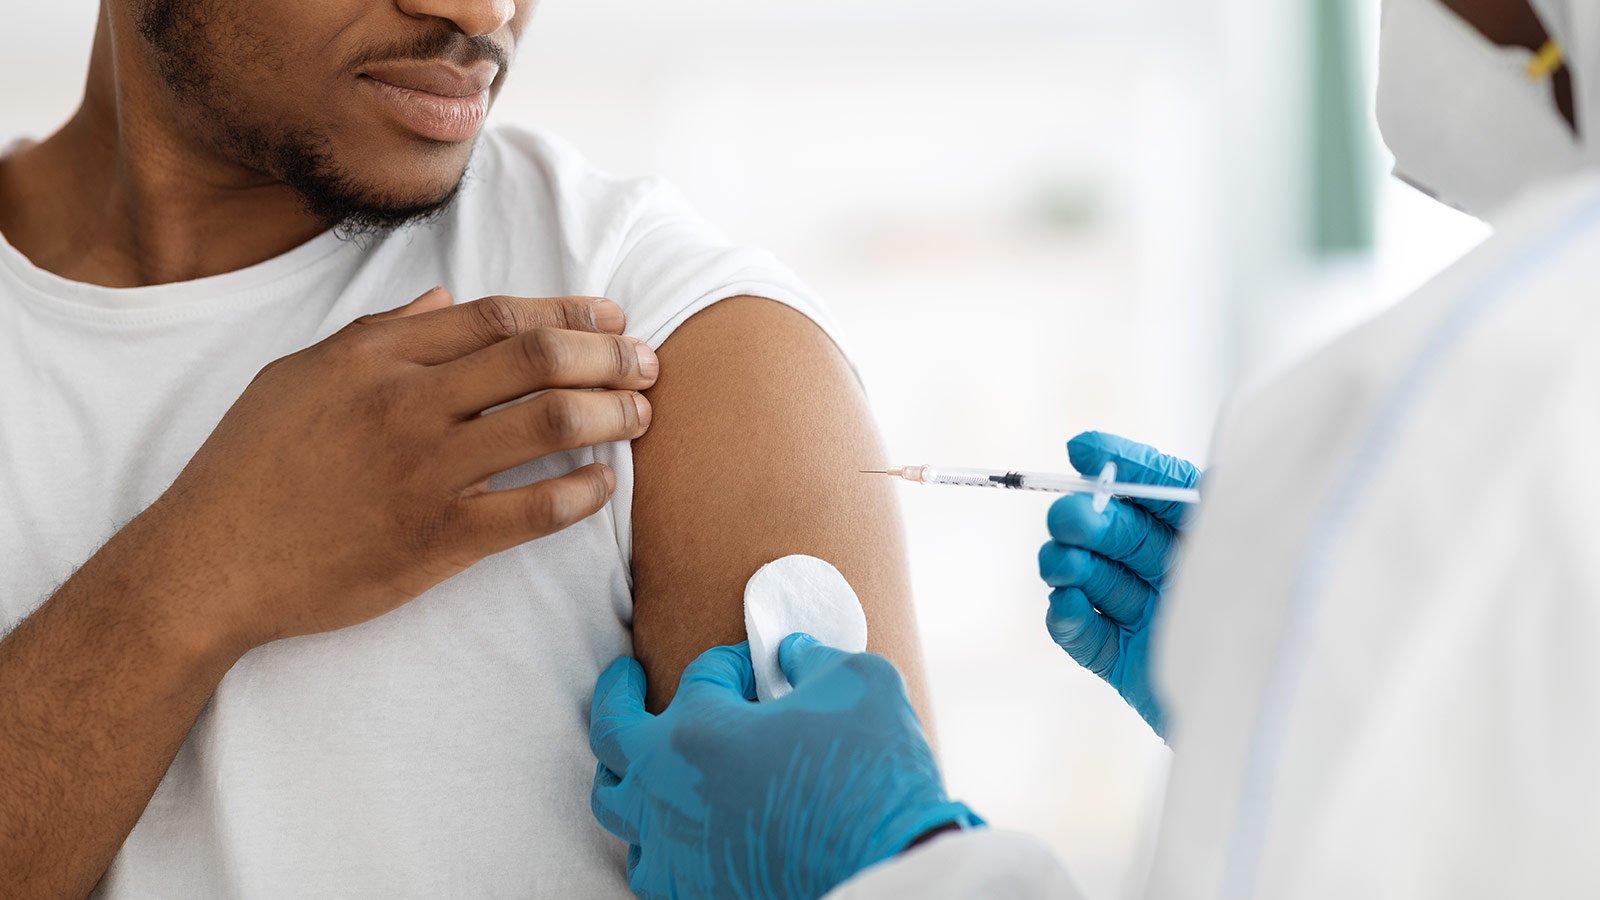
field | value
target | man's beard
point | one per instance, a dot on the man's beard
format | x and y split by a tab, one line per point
300	160
180	34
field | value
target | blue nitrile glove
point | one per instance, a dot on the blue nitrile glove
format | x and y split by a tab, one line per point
720	796
1109	569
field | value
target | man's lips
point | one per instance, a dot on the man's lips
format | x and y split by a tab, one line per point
434	100
435	77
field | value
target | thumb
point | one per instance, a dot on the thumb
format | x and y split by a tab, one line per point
430	300
721	673
1136	463
802	657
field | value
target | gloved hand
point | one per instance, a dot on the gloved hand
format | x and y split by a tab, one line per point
723	797
1109	569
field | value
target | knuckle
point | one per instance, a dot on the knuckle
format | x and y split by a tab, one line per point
1063	565
267	370
563	418
564	502
1074	565
545	509
1064	630
627	412
556	508
599	490
353	346
574	313
496	318
1073	520
545	352
624	359
429	531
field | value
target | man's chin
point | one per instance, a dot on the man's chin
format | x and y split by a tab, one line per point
357	217
363	209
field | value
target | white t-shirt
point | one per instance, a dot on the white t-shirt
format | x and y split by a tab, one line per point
440	750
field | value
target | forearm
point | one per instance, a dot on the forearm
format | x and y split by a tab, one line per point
98	689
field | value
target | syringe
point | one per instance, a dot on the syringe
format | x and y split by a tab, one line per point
1103	488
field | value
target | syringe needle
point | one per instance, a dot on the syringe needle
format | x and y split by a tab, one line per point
873	472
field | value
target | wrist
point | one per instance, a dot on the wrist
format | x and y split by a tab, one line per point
951	815
915	825
165	593
931	834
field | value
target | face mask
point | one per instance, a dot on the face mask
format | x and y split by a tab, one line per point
1465	121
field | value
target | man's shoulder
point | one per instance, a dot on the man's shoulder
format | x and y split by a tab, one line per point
519	169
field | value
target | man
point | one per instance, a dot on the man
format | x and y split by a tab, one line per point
219	497
1378	668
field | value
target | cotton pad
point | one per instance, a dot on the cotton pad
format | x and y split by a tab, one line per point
798	593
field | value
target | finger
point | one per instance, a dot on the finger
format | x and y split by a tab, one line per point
721	673
617	708
1138	464
1123	531
1122	596
609	802
550	423
802	657
428	301
500	520
445	334
541	359
1088	637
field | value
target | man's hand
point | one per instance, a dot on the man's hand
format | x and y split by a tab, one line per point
1109	569
348	478
720	796
353	475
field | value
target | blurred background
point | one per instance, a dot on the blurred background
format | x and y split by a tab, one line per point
1031	217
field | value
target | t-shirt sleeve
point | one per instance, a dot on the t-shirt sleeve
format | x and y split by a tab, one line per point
670	264
995	865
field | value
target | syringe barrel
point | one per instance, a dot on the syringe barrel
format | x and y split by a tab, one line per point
1046	482
953	475
995	478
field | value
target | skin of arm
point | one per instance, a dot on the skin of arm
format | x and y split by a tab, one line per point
760	431
97	690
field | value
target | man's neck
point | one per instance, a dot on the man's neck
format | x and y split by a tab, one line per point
118	197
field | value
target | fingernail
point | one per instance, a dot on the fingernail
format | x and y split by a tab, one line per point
608	317
643	406
649	365
610	477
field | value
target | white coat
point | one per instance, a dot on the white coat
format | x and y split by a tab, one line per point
1381	660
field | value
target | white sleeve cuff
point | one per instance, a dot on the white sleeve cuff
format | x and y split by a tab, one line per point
994	865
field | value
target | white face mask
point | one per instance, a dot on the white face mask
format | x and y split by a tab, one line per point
1465	121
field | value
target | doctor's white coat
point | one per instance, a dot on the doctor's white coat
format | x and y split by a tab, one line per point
1382	657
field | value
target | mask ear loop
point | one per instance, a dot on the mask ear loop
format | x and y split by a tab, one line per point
1547	62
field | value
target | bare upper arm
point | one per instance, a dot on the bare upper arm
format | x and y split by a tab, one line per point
759	431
